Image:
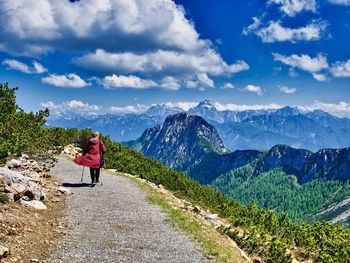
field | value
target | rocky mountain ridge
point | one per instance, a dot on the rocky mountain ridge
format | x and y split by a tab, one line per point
181	141
243	130
176	144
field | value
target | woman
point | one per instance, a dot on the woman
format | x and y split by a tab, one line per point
92	153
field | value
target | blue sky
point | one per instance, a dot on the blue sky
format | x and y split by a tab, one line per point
122	56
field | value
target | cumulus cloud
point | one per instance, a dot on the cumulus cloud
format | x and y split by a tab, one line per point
287	90
139	108
116	37
306	63
241	107
340	2
161	61
37	26
227	85
76	106
204	80
131	81
341	69
319	76
37	68
340	109
293	7
254	89
65	81
276	32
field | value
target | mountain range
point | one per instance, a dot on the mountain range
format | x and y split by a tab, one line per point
299	181
249	129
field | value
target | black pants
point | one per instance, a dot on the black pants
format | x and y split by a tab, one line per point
95	175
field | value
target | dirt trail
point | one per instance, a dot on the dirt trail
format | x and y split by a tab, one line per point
114	223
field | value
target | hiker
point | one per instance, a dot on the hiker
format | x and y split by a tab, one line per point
93	157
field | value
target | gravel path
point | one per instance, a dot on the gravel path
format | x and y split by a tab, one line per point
114	223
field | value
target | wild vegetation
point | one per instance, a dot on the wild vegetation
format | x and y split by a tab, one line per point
256	230
277	190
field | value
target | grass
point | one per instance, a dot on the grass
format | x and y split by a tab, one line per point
215	246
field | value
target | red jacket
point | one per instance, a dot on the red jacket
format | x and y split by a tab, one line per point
91	154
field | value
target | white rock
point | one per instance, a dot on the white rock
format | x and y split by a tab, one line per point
211	216
36	190
4	252
15	162
24	156
64	190
20	188
34	176
34	203
13	177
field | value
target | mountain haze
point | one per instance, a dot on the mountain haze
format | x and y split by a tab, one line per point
239	130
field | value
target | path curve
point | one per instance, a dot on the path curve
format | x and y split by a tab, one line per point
114	223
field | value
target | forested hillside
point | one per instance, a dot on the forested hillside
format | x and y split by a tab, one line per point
257	231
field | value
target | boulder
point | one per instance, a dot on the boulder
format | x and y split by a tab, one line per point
211	217
34	176
20	188
36	190
14	163
4	252
13	177
34	203
64	190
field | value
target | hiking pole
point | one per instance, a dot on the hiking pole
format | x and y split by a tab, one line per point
101	176
82	175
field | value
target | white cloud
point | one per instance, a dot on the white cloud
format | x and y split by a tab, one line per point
184	105
287	90
341	69
293	7
169	83
275	32
319	76
65	81
161	62
227	85
37	68
42	25
133	37
204	80
139	108
252	27
340	2
306	63
254	89
242	107
76	106
131	81
340	109
191	84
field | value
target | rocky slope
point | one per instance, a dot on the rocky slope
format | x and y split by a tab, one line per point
31	204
